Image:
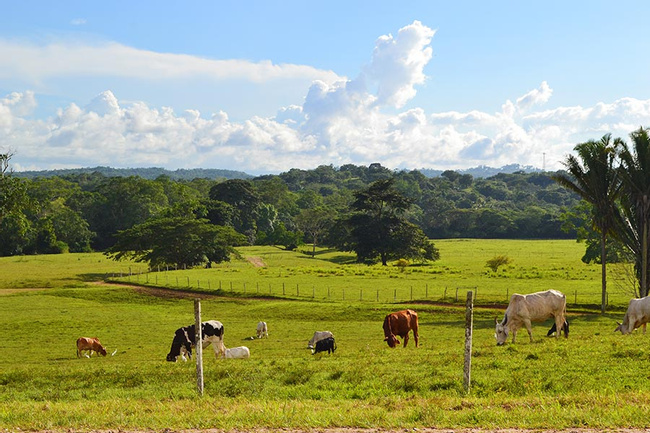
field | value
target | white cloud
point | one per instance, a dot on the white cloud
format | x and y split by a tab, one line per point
340	121
36	63
398	62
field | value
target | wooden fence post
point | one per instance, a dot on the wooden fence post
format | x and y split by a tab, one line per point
198	351
469	323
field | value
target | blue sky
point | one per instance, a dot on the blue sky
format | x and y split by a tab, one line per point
265	86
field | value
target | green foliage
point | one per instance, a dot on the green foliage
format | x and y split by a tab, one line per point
177	241
497	261
379	229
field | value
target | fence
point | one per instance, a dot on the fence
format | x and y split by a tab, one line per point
398	292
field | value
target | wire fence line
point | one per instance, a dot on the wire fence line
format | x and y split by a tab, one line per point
399	293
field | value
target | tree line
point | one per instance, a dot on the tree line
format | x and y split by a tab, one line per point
380	214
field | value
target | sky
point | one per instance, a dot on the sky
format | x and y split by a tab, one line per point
266	86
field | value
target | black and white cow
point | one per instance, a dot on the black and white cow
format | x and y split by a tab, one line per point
325	345
185	339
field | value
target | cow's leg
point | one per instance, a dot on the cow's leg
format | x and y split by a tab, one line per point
406	339
559	325
416	337
514	335
644	325
529	328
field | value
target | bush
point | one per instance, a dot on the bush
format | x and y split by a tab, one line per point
498	261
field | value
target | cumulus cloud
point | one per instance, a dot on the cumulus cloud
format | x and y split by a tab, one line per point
340	121
398	63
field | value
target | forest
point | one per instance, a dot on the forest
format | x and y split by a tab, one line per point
80	212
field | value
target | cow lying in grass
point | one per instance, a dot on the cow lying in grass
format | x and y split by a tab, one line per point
241	352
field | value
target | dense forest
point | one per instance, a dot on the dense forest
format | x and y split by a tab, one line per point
85	211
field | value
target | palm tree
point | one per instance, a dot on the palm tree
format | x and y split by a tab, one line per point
593	177
635	198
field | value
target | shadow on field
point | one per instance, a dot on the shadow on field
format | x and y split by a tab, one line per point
91	277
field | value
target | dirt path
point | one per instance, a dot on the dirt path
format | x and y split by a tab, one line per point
256	261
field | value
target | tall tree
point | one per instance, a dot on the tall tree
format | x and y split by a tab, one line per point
179	241
594	177
635	202
379	228
314	223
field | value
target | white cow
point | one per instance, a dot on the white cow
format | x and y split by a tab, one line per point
318	335
637	314
240	352
535	307
262	330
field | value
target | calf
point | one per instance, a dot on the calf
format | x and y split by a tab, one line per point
91	345
240	352
318	335
326	345
185	339
262	330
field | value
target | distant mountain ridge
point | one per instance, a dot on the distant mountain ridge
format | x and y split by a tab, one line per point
482	171
146	173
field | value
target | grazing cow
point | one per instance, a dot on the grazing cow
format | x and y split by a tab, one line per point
91	345
325	345
401	323
262	330
534	307
185	339
637	314
319	335
240	352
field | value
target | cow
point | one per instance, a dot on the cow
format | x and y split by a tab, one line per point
637	314
240	352
534	307
325	345
262	330
90	345
401	323
185	339
318	335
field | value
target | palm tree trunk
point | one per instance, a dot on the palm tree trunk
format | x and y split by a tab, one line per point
603	264
643	292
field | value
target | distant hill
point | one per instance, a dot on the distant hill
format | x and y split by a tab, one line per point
146	173
483	171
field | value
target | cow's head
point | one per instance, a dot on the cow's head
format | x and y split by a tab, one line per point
501	331
621	327
181	340
101	350
391	340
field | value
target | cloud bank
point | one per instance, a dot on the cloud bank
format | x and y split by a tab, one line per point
340	120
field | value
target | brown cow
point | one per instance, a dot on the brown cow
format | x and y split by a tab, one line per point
401	323
91	345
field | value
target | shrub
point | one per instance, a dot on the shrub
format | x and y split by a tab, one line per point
497	261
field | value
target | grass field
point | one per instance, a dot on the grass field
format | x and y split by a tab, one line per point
593	379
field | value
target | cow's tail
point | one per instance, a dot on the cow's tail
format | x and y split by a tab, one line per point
565	326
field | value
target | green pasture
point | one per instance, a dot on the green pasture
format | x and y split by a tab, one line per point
334	276
593	379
